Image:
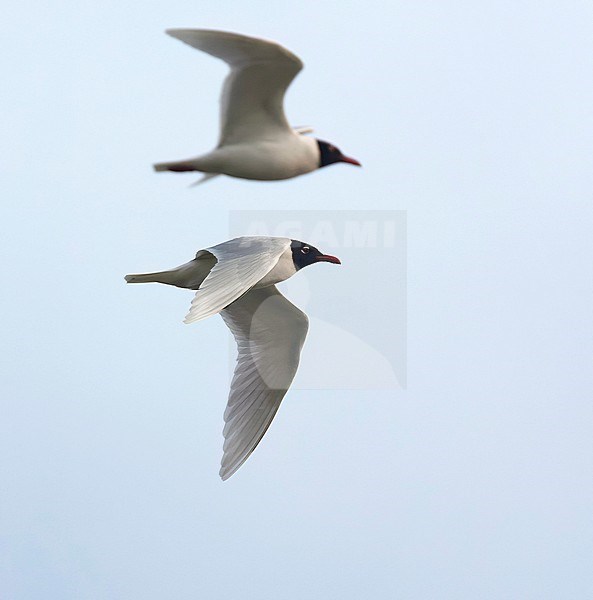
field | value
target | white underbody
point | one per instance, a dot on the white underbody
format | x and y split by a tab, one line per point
286	156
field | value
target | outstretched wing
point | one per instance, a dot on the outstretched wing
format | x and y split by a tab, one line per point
241	263
251	104
270	332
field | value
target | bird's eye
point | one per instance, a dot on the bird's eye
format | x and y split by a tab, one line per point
332	148
305	249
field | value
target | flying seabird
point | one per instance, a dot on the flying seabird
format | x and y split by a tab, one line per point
256	141
237	279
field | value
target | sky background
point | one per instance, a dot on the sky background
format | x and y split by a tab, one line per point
474	482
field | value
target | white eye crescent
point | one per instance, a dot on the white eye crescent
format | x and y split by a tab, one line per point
305	249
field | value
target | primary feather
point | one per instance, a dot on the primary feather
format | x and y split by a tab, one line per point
270	332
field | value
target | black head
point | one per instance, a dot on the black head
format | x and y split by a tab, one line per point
329	155
304	254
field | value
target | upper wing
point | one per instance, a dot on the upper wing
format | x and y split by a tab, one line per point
251	104
241	263
270	332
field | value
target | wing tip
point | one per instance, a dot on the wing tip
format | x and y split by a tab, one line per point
185	34
173	30
192	317
176	32
226	472
206	177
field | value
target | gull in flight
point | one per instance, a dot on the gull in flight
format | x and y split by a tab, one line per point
256	141
237	279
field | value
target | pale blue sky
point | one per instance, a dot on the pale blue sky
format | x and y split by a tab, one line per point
475	482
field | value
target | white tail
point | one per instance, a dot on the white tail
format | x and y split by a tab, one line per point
189	275
179	166
159	277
